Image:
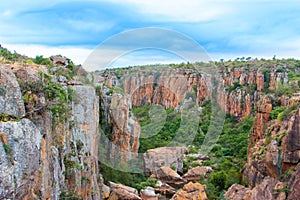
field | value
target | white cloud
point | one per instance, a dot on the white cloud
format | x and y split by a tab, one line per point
180	10
89	26
7	13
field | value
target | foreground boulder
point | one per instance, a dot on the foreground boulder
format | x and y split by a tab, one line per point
149	194
194	174
122	192
191	191
164	157
164	188
237	191
168	175
105	191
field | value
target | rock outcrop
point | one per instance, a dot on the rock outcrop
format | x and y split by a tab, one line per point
43	156
11	100
164	188
269	189
275	149
20	147
122	127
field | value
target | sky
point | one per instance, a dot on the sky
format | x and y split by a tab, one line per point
224	28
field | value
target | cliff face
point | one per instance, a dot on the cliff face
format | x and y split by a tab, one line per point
42	158
273	147
167	87
121	126
273	154
170	87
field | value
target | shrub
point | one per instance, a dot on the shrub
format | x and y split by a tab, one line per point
276	111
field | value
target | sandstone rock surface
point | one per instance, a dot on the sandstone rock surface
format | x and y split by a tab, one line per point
11	100
191	191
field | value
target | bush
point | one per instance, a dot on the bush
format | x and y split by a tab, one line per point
276	111
286	113
218	179
40	60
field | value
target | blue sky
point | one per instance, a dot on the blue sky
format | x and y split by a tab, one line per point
226	29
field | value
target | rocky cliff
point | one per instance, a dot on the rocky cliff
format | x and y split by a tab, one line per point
49	145
249	89
169	87
120	126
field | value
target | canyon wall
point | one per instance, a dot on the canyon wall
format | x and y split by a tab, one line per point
42	158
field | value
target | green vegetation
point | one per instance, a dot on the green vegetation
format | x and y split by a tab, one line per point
135	180
40	60
70	165
276	111
148	182
288	111
114	89
234	86
165	135
266	72
58	98
6	54
228	156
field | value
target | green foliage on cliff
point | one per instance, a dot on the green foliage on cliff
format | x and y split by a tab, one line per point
118	176
6	54
40	60
58	98
165	135
228	156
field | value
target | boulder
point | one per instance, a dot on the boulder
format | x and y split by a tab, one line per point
164	157
191	191
168	175
105	191
164	188
122	192
236	192
194	174
148	194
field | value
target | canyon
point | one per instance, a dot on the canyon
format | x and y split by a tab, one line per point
58	122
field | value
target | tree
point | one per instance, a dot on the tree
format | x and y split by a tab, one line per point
219	179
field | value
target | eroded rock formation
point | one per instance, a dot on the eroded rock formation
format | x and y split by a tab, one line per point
42	158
